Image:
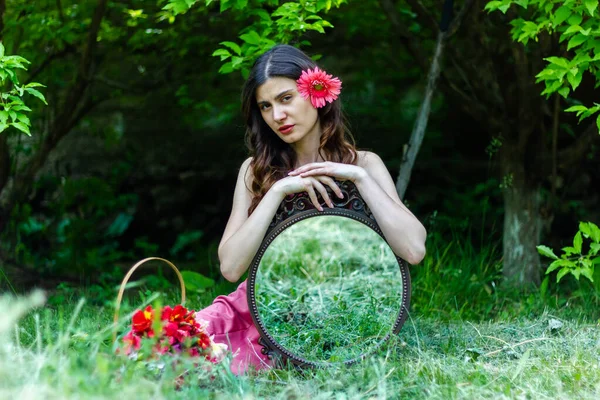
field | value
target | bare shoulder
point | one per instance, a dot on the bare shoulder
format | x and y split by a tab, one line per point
369	160
377	170
246	164
246	171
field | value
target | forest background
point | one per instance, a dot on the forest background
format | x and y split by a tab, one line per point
137	150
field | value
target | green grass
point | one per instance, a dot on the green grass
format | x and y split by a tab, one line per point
521	358
466	337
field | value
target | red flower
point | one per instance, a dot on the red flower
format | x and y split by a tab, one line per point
178	332
142	321
204	341
177	314
132	342
319	87
166	313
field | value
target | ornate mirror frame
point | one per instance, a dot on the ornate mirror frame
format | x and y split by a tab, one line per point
295	208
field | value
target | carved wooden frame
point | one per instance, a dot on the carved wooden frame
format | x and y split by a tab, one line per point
296	208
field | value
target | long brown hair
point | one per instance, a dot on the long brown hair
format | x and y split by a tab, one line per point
272	157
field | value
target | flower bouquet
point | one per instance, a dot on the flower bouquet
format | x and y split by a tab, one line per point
171	330
166	330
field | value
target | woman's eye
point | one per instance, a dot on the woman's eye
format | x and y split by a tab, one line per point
287	98
264	107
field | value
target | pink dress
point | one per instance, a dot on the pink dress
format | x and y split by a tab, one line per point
231	323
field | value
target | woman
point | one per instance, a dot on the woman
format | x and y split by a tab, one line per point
298	143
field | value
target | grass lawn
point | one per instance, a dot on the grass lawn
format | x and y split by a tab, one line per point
466	337
65	353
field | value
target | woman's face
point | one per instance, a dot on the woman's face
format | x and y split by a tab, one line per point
288	114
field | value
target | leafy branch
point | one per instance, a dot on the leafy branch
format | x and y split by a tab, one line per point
573	260
13	111
286	24
578	25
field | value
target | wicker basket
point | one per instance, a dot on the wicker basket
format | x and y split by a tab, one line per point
126	279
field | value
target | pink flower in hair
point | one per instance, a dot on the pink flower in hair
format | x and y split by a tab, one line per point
319	87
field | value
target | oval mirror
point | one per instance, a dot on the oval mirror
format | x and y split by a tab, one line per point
326	288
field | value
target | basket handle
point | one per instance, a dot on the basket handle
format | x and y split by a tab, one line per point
126	279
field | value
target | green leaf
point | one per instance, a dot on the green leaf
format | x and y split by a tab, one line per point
594	248
1	50
251	37
564	91
575	80
577	242
245	73
225	4
575	19
572	29
568	250
544	287
23	118
22	127
196	282
240	4
13	76
552	86
34	84
561	273
492	5
223	53
546	251
226	68
576	41
3	117
576	108
561	15
185	240
591	6
21	107
262	15
504	7
554	265
591	230
36	94
3	127
560	61
119	225
588	273
598	122
233	46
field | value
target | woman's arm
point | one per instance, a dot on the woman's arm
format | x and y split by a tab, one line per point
403	231
243	235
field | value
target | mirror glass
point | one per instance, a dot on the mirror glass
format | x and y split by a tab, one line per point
328	289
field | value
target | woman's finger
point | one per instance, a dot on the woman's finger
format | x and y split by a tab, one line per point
312	195
306	167
319	186
331	183
317	171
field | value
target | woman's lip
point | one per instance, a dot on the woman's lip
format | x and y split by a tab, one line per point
286	129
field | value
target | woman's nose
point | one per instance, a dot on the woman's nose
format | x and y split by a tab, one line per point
279	114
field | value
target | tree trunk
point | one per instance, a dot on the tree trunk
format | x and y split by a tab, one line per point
522	226
418	133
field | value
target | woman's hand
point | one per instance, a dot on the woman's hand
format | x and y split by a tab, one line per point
311	185
337	170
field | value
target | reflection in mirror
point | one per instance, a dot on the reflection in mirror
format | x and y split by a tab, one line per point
328	289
